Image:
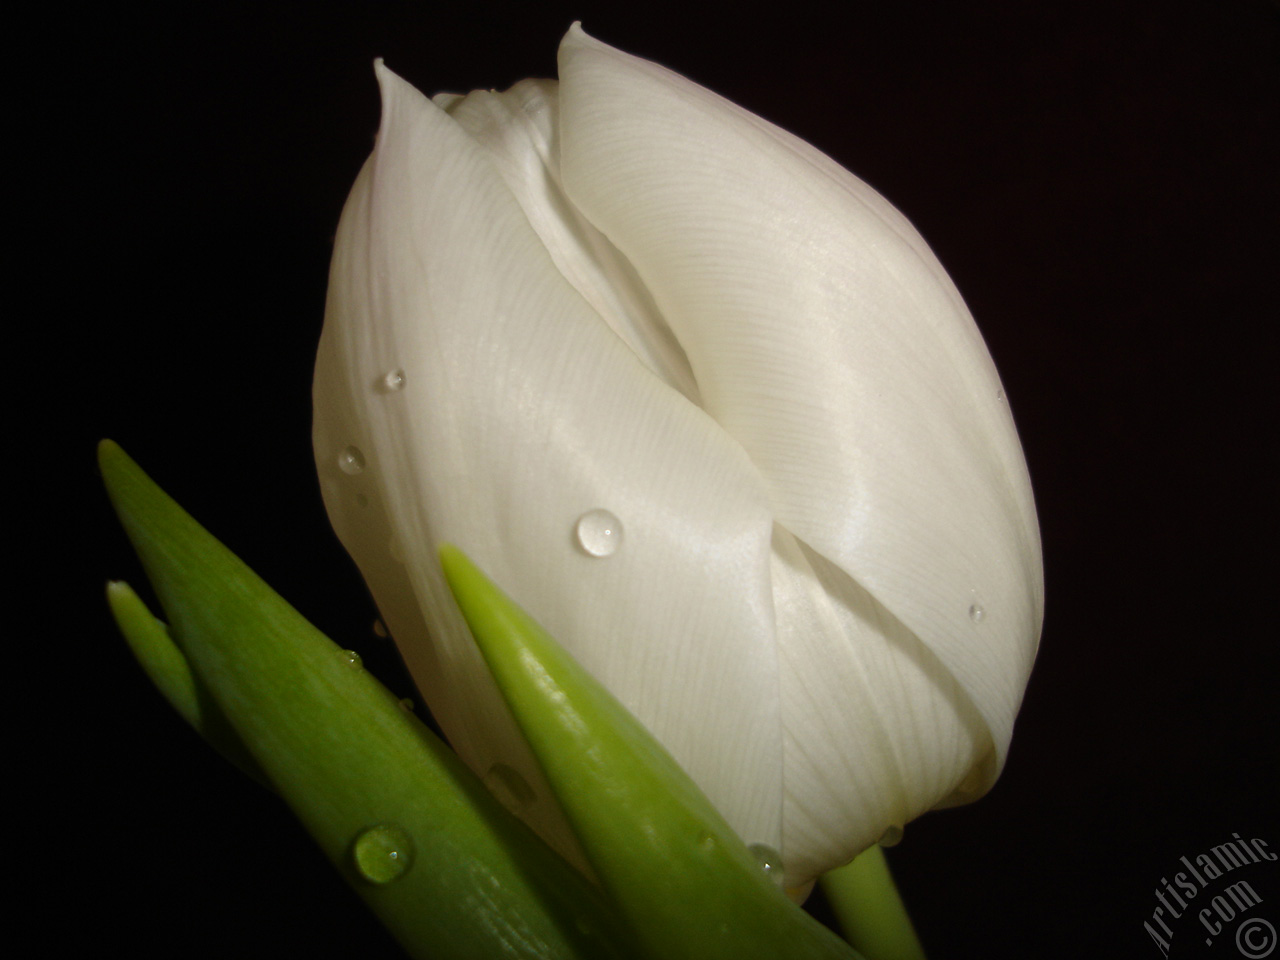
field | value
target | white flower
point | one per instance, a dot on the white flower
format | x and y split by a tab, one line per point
820	582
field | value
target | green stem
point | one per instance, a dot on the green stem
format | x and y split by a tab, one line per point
871	913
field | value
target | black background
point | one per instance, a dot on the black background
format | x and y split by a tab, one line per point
1098	179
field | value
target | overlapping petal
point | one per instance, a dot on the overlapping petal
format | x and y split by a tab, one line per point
625	293
825	337
511	411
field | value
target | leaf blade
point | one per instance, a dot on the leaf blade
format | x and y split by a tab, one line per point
679	874
348	759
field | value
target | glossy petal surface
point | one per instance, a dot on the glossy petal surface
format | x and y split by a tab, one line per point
519	413
622	293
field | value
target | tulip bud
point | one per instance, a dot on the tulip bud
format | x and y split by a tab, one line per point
709	409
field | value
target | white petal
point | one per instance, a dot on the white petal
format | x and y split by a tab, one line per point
876	731
520	410
519	129
828	341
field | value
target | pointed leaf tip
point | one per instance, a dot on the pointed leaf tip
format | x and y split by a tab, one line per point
682	878
168	669
374	787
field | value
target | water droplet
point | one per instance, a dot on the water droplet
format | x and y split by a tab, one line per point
1000	395
351	460
599	533
379	628
976	612
891	837
393	381
406	704
509	787
769	859
383	853
352	659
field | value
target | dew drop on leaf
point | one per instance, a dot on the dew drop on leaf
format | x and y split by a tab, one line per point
769	859
383	853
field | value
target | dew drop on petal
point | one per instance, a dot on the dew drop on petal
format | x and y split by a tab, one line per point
509	787
351	460
1000	395
379	628
599	533
891	837
976	612
393	381
382	853
406	704
769	859
351	659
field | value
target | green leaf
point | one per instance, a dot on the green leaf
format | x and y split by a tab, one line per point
168	669
678	873
447	869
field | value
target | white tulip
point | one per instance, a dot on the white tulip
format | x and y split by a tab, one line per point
816	577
